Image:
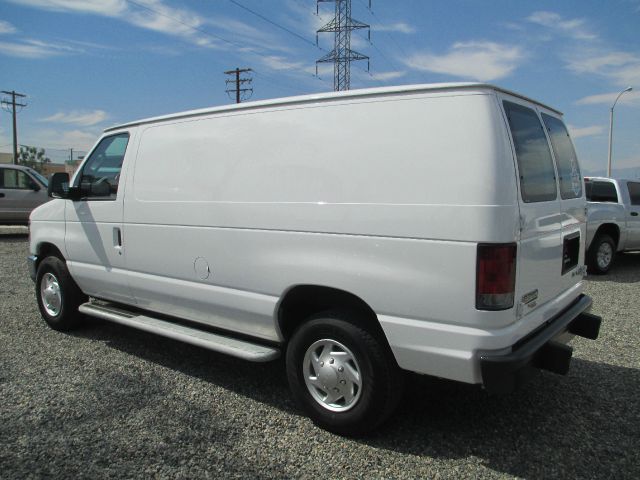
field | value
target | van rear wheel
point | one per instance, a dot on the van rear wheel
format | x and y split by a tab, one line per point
342	373
601	254
58	294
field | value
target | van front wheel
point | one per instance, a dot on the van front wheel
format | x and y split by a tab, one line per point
58	295
342	373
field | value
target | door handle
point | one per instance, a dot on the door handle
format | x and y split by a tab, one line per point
634	214
117	239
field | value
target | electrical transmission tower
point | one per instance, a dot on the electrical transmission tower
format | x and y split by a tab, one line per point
10	106
240	91
341	56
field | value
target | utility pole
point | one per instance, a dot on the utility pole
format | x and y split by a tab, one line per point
341	56
5	105
240	92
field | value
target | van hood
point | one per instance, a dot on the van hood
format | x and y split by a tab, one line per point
52	211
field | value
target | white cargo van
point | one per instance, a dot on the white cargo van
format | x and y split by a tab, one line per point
437	229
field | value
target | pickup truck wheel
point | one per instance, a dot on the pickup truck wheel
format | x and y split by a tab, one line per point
601	254
58	295
342	373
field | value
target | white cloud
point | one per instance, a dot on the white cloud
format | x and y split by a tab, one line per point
274	62
34	49
398	27
386	76
628	163
587	55
297	68
6	27
620	68
84	119
158	16
593	62
359	42
579	132
575	28
483	61
101	7
61	139
629	98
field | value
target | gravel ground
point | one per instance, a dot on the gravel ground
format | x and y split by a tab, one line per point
108	401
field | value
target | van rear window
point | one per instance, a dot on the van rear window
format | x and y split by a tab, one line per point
566	158
535	165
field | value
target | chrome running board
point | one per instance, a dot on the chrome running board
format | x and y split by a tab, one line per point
194	336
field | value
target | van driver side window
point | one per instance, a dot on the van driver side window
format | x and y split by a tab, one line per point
101	173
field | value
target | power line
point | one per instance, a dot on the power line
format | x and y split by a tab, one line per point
53	148
276	24
243	47
193	27
378	23
277	84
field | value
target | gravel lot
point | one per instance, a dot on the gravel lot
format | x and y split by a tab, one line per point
108	401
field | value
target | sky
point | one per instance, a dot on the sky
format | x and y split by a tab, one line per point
89	64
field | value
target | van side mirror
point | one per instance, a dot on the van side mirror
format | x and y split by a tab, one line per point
58	185
34	186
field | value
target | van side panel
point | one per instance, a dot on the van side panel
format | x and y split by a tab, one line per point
383	197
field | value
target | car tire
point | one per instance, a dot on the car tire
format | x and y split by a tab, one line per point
58	294
342	373
601	254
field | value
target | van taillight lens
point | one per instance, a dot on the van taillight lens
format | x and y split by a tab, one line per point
496	276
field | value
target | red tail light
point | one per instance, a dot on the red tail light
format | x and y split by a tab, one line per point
496	276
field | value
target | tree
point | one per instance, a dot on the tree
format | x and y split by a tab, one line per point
33	158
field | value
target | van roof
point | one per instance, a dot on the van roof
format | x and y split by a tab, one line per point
315	97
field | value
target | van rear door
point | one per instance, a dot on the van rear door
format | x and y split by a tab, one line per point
572	199
539	267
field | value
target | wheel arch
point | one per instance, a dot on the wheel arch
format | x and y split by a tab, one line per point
299	302
610	229
47	249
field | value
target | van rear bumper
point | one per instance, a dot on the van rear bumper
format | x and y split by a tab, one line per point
503	373
458	352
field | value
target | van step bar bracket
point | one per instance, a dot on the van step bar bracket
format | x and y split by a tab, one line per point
253	352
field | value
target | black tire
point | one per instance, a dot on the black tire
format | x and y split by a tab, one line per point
61	314
603	243
382	381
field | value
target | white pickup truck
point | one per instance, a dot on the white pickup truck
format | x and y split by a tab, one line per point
613	220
